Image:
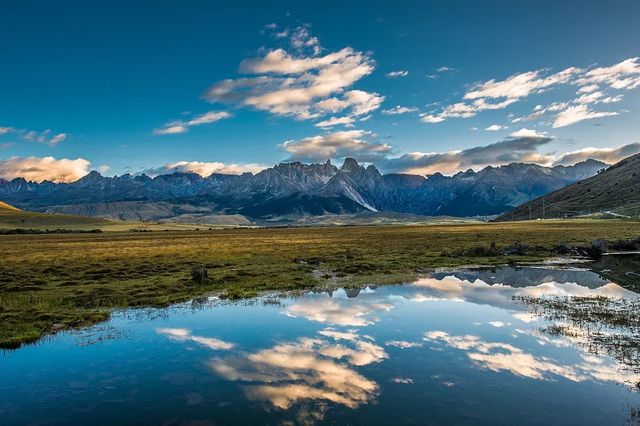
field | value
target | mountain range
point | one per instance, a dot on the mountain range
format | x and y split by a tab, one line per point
614	191
296	189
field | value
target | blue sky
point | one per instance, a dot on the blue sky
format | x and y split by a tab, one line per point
230	86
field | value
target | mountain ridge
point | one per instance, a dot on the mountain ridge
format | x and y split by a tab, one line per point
297	189
614	191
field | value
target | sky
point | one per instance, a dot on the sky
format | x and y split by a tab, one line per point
411	86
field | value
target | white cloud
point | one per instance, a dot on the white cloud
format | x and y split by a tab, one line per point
332	105
527	133
205	169
57	139
498	94
301	39
302	85
208	117
588	89
445	69
350	143
431	118
5	130
181	126
171	129
577	113
597	97
397	110
402	380
519	85
44	168
399	73
335	121
363	102
623	75
495	128
464	110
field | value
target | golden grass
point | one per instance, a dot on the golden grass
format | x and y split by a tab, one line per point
73	279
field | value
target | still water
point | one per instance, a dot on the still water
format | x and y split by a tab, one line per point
453	348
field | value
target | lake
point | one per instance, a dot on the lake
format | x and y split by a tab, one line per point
456	347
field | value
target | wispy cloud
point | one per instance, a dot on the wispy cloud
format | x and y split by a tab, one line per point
181	126
577	113
44	137
499	94
397	110
623	75
335	121
398	73
445	69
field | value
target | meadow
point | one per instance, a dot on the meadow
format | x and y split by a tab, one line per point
51	282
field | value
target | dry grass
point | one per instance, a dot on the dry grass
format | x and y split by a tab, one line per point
67	280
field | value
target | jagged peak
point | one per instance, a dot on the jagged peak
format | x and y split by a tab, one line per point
350	165
92	176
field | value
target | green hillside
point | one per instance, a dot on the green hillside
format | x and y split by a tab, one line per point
614	192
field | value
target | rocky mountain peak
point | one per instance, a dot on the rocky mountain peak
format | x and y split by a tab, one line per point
350	165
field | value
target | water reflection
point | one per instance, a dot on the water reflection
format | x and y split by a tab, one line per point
322	368
499	356
184	335
317	368
454	347
338	308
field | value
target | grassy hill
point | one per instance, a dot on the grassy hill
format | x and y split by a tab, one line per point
14	218
613	192
6	207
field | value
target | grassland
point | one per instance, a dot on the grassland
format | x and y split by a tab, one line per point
12	218
57	281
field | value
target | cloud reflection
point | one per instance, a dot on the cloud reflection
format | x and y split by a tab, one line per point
307	369
339	311
184	335
499	356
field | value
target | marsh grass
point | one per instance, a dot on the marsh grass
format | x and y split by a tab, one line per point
599	324
52	282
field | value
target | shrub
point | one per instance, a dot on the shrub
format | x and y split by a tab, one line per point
596	249
199	274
